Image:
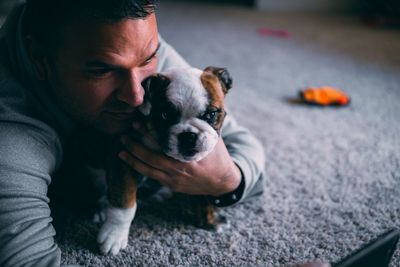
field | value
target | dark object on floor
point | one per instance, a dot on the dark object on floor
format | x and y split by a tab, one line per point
378	252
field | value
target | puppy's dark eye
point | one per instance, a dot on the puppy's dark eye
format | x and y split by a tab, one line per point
164	115
210	116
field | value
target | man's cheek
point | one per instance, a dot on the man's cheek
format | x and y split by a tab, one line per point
150	69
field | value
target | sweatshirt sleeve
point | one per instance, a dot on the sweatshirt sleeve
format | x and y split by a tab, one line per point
168	57
248	154
29	155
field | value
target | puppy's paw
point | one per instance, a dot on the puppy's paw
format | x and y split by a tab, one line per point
223	225
162	195
113	235
99	217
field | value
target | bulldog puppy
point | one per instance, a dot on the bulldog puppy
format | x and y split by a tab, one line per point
184	112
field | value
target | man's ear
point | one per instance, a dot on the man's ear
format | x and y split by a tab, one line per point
223	76
151	85
38	57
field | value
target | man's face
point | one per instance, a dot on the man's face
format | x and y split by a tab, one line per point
96	74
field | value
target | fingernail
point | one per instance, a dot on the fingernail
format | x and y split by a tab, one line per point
123	139
122	155
136	125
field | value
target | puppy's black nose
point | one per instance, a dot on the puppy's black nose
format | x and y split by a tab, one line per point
188	139
187	143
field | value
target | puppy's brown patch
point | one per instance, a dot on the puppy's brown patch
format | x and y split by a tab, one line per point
122	185
216	94
213	86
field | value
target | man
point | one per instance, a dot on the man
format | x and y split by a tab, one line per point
68	63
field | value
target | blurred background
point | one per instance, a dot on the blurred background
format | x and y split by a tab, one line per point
386	11
377	7
332	174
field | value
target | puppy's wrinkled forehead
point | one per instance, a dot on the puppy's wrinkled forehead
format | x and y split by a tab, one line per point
186	91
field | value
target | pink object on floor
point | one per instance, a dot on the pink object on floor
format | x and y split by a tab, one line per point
273	32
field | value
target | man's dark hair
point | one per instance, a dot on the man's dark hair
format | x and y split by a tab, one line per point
46	19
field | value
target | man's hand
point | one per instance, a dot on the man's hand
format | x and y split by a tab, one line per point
214	175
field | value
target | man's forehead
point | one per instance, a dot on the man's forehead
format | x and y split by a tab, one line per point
93	31
99	41
109	59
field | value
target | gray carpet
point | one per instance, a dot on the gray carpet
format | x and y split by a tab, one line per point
333	173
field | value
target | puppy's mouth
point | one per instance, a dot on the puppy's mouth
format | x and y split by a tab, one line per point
184	158
188	144
189	153
186	154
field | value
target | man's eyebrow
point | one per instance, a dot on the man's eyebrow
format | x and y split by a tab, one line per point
99	64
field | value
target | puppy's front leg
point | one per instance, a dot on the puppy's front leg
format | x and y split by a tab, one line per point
122	186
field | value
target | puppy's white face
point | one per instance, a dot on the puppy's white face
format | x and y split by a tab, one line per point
185	109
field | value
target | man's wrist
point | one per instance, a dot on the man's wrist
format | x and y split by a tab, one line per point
231	182
231	197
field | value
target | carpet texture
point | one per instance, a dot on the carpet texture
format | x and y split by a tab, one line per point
333	174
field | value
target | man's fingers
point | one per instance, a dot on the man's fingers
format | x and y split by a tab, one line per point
139	127
143	168
146	155
149	141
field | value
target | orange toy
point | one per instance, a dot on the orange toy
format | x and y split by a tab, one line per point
324	96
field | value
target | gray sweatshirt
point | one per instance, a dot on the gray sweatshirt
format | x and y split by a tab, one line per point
32	128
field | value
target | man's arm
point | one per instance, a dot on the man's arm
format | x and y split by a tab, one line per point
248	154
168	57
28	157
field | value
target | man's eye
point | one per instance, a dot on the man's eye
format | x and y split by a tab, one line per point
148	61
99	72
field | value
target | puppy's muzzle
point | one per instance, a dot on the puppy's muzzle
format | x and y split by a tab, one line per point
187	144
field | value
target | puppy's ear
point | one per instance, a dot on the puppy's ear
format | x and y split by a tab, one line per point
223	76
151	85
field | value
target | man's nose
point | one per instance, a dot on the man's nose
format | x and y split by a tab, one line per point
131	90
